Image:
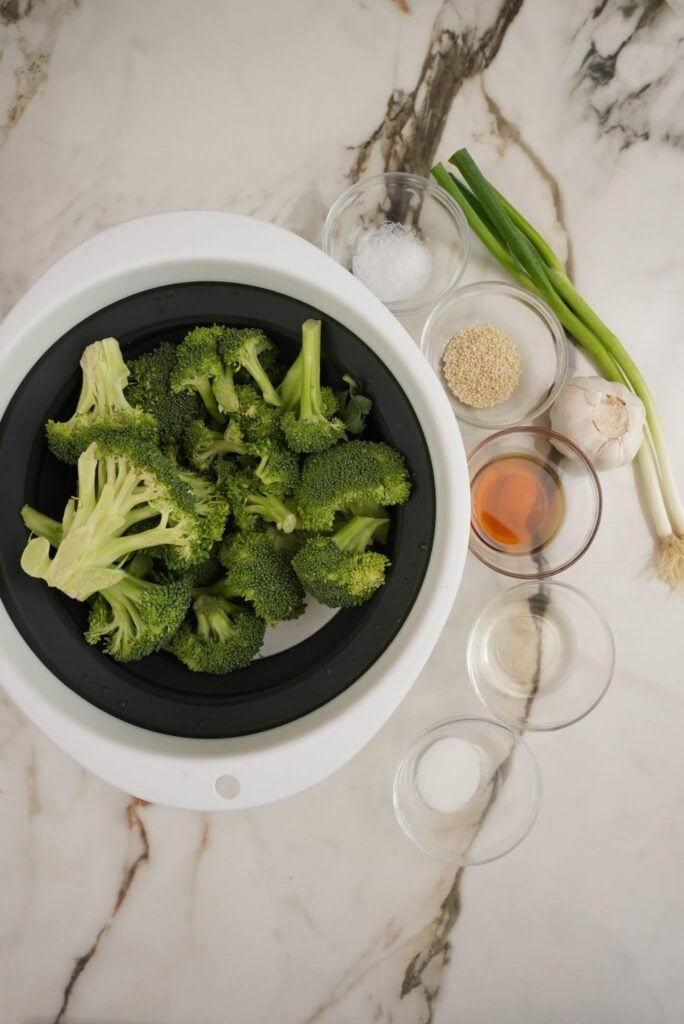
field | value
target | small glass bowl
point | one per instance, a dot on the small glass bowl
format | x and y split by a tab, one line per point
563	461
423	208
540	656
502	810
534	328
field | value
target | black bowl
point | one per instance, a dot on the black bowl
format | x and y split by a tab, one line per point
159	693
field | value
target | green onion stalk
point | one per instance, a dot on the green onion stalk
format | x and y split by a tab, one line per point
522	251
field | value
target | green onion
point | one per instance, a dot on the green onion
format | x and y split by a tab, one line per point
524	253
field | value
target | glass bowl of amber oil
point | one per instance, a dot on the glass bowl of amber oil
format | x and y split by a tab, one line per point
535	502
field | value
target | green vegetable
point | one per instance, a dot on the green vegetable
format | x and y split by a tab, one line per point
522	251
119	486
202	445
224	636
278	467
308	423
240	350
338	570
198	364
136	616
261	575
349	474
162	475
354	406
250	502
102	404
149	389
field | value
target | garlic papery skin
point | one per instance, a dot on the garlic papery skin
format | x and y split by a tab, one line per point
605	419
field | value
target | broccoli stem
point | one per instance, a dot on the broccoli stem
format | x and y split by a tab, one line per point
256	371
207	395
291	384
212	617
310	394
272	509
358	533
225	393
41	525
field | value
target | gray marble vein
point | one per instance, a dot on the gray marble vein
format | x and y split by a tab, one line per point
135	861
28	33
615	74
408	135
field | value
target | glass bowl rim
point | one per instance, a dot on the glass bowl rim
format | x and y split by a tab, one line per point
501	599
598	512
545	313
518	743
450	206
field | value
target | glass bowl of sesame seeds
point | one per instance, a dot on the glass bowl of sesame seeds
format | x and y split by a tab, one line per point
499	351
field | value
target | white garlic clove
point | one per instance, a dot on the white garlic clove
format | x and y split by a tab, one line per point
604	418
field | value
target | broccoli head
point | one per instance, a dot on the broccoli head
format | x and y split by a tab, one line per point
240	350
129	498
250	503
211	507
338	570
102	404
307	422
224	636
136	616
150	389
198	364
261	575
278	467
202	445
348	475
258	421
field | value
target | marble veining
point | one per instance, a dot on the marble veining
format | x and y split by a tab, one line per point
317	908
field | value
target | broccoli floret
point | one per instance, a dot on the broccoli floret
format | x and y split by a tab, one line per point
202	445
224	636
136	616
240	349
278	467
211	507
258	421
349	474
337	570
208	571
198	364
150	389
250	503
306	421
129	498
260	574
102	404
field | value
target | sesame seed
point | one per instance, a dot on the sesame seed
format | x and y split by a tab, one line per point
481	365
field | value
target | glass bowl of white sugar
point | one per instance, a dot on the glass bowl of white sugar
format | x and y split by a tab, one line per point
467	791
402	236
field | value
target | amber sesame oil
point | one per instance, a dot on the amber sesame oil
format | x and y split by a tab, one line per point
517	504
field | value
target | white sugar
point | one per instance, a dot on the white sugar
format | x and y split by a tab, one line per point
393	263
448	774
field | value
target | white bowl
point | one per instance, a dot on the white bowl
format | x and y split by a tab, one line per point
216	774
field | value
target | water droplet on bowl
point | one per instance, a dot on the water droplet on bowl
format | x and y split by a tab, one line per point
122	705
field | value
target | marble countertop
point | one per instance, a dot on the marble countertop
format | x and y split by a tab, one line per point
317	908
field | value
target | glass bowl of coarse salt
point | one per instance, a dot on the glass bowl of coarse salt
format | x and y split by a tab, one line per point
402	236
467	791
499	351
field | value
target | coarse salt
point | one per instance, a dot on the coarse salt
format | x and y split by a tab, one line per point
393	262
448	774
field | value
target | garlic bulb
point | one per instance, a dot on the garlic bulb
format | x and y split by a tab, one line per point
605	419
